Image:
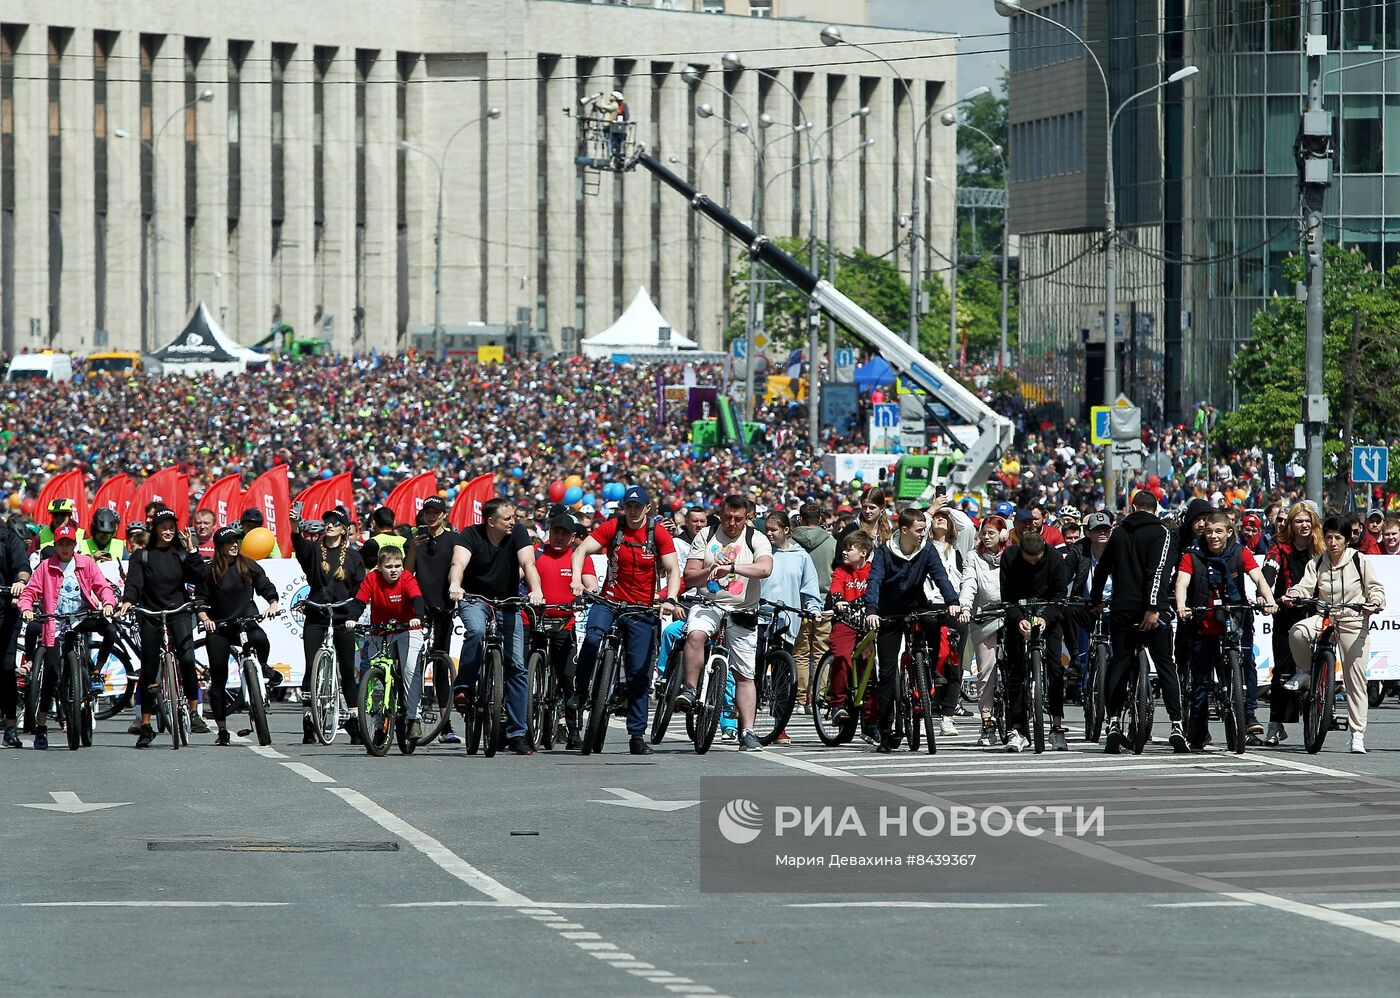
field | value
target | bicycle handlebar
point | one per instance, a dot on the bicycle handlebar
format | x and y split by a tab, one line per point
1325	607
303	604
383	630
84	613
191	607
805	614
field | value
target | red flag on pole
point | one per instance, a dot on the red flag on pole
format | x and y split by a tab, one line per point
115	494
340	491
224	499
270	495
168	487
466	510
408	497
68	485
310	504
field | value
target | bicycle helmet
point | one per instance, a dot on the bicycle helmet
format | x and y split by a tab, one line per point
61	506
227	535
105	521
137	527
1068	512
1005	510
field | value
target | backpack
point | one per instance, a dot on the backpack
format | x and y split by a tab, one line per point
648	548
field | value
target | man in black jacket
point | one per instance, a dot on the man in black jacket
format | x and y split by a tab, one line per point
897	575
1141	559
14	574
1033	571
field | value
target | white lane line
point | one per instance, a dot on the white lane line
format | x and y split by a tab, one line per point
1361	905
912	904
1298	766
1293	836
1107	785
1253	822
430	847
1067	772
565	925
1307	871
1225	857
596	948
1330	805
1092	850
1105	782
312	774
579	935
1046	762
1203	904
266	751
535	913
1273	795
153	904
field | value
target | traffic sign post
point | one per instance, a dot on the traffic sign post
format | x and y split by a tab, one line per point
1370	465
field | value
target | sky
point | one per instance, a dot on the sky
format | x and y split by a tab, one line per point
964	17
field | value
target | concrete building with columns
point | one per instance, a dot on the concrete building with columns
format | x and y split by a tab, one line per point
305	190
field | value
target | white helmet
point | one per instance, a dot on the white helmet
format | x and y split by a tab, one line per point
1070	513
617	95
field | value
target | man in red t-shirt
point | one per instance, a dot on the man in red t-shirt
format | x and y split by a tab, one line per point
1211	574
638	548
394	599
554	629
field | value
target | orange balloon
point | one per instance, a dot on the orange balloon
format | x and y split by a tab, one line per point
573	481
258	543
14	500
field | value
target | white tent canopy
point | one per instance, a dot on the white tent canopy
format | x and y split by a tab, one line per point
637	331
203	347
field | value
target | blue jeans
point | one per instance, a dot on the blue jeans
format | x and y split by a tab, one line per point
638	642
517	682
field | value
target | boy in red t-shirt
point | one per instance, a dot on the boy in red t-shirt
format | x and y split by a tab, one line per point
1211	574
554	629
394	599
848	583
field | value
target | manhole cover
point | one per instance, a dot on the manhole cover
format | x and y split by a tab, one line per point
264	845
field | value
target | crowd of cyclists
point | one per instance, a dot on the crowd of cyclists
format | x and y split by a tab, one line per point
920	592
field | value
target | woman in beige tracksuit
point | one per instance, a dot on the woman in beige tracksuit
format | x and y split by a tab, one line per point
1340	575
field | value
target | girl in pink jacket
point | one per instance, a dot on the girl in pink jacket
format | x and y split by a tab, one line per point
67	582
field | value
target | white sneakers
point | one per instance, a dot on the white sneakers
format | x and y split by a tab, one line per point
947	729
1358	743
1016	742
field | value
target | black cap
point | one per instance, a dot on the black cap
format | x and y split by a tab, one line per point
562	522
336	517
227	535
435	502
163	513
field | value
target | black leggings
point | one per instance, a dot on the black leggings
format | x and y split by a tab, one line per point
218	645
9	640
312	637
181	643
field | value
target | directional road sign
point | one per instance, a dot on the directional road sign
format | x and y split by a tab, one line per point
1370	464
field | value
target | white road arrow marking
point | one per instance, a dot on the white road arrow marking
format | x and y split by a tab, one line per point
630	798
66	802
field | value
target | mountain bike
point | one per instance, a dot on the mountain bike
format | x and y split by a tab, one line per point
1228	687
483	720
916	680
435	705
254	687
702	720
775	673
668	683
383	688
326	697
1319	693
174	704
1100	650
996	612
76	698
602	686
827	702
546	698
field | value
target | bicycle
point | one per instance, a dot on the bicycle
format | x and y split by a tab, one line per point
702	720
546	698
326	700
484	720
1319	696
989	613
76	698
1095	671
606	670
664	690
126	650
775	675
1229	684
915	679
174	705
254	688
383	708
435	704
825	704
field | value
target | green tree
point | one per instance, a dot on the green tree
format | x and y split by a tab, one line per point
872	282
1269	369
980	166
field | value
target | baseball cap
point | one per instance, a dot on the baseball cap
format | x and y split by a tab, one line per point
336	517
1376	514
436	503
562	522
1097	520
67	532
590	510
1024	516
1253	520
636	493
227	535
163	513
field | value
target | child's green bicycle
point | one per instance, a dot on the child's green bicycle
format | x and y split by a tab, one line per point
828	704
383	704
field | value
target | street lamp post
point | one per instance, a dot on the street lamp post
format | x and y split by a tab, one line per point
860	112
440	162
205	96
950	118
1010	8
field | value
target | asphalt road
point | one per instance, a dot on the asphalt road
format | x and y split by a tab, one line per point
318	870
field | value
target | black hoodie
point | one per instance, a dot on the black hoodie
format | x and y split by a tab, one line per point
1141	558
1195	509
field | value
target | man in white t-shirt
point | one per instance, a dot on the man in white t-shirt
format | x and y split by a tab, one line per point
729	562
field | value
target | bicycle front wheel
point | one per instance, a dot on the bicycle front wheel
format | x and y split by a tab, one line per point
435	708
1036	677
257	699
74	695
825	705
33	685
1319	702
377	711
1142	706
707	723
923	683
325	696
666	696
174	701
604	678
1093	692
537	675
776	697
492	686
1234	717
905	699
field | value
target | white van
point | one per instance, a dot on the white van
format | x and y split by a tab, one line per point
45	366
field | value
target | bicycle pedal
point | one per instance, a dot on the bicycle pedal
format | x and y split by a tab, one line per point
244	732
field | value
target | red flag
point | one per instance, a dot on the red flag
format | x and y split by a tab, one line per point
68	485
320	497
224	499
270	494
115	494
309	498
167	487
466	510
408	497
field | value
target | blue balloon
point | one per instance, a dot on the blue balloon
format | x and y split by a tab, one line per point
517	472
369	483
385	471
572	495
327	473
860	476
589	499
452	493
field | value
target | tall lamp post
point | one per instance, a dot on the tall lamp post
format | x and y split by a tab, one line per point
949	119
440	162
205	96
1011	8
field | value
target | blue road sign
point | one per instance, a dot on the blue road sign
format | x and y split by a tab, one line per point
1370	464
887	414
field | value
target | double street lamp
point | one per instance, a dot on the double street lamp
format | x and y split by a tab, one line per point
205	96
1012	8
440	162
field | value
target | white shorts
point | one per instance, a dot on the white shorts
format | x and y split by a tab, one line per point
742	642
